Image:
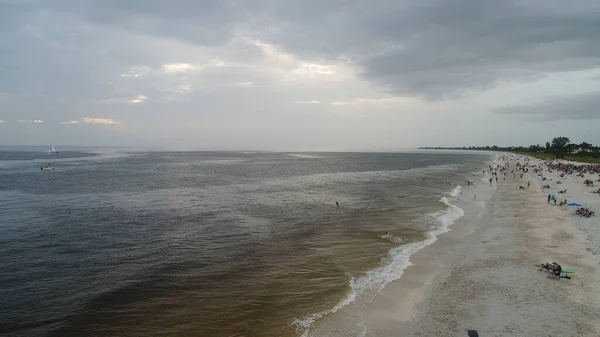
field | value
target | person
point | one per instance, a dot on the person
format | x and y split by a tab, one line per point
490	181
474	197
548	266
555	271
549	196
337	204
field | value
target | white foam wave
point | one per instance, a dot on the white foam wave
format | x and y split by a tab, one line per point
298	155
456	191
376	279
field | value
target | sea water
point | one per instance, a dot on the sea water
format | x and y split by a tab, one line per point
211	244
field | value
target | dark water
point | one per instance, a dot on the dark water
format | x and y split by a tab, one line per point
197	243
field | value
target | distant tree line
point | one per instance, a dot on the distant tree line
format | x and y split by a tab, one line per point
560	147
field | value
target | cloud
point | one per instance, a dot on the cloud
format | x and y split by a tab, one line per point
35	121
315	69
439	49
138	99
574	107
2	122
178	67
137	71
90	120
236	65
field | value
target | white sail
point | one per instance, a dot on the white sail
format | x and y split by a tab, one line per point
52	150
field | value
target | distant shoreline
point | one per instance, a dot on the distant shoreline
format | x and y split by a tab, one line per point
581	158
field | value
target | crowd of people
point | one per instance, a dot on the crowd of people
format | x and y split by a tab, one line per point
570	168
585	212
580	170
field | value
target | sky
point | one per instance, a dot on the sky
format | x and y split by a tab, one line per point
330	75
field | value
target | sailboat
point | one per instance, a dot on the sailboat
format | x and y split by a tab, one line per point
52	151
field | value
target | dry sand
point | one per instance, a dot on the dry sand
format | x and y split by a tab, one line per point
481	275
495	288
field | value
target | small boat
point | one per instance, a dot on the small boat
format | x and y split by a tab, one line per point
47	167
52	151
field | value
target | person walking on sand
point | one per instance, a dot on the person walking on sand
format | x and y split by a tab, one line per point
474	197
549	196
490	181
528	184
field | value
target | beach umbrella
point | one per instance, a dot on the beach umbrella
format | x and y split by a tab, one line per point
574	204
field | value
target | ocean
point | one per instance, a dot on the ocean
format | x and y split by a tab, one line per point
118	242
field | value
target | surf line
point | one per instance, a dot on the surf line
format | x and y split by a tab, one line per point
377	278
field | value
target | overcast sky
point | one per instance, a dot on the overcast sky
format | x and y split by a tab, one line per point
298	74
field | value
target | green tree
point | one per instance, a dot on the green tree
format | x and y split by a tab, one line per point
585	145
547	146
560	146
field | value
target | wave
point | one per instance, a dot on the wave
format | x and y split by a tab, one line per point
456	191
308	156
399	259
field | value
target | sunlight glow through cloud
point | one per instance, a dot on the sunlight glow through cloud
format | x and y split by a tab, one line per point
136	72
178	67
36	121
307	102
90	120
139	99
315	69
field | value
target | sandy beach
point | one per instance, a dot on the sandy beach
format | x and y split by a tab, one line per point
482	275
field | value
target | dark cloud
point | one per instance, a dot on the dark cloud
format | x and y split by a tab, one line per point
433	49
440	48
575	107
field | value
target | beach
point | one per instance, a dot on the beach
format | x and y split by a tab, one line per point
482	274
276	244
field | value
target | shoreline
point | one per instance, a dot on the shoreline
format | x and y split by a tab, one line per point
418	268
481	274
